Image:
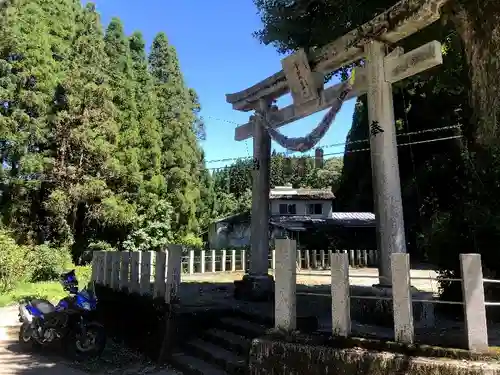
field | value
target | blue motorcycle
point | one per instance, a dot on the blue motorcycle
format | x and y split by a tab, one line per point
71	321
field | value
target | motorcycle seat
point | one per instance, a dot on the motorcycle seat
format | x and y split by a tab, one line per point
44	306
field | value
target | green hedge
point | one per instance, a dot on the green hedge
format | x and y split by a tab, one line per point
29	263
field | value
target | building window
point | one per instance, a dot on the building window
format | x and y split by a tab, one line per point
288	209
315	209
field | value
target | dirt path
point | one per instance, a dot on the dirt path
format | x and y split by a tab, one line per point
421	279
15	361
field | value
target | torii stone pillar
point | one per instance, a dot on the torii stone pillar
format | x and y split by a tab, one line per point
258	284
384	161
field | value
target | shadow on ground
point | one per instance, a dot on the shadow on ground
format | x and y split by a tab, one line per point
116	359
315	300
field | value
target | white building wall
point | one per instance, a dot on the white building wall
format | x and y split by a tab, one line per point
301	207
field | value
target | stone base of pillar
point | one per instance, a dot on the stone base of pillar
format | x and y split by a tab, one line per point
380	312
254	288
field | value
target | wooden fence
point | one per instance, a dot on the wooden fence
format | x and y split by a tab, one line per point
146	272
201	261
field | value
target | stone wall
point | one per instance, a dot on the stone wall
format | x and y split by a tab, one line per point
272	356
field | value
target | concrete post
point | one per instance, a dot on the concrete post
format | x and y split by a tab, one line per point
474	305
384	160
233	260
202	261
341	301
401	299
191	261
285	314
223	261
214	261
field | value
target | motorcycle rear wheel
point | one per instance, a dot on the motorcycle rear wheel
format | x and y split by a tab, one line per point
26	339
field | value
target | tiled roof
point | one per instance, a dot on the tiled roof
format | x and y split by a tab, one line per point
347	219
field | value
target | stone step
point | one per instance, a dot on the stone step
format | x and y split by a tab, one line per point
217	355
243	327
229	340
194	366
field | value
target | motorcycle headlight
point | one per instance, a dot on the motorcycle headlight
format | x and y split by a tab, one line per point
86	306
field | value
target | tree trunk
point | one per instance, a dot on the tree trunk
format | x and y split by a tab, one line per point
478	24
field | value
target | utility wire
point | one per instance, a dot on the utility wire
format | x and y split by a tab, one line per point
425	131
359	150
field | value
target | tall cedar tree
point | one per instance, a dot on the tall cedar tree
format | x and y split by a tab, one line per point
122	84
181	158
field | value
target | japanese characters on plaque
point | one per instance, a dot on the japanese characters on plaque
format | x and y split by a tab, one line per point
300	79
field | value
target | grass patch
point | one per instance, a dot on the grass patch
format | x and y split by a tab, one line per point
51	290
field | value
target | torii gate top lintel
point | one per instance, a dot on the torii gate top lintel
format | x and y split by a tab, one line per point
396	23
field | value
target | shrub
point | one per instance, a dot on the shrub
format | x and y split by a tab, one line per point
191	241
48	262
14	266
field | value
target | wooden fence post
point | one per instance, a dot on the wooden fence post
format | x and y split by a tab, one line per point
160	274
95	266
174	260
307	259
341	301
108	262
145	282
102	267
135	271
474	304
115	269
322	258
124	270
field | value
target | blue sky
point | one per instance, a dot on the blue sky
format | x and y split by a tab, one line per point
218	55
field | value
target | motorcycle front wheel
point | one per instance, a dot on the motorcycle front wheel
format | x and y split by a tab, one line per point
91	344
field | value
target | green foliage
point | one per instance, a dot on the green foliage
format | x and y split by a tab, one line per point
191	242
47	263
13	262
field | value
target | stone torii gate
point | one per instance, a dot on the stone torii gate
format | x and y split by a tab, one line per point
370	43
